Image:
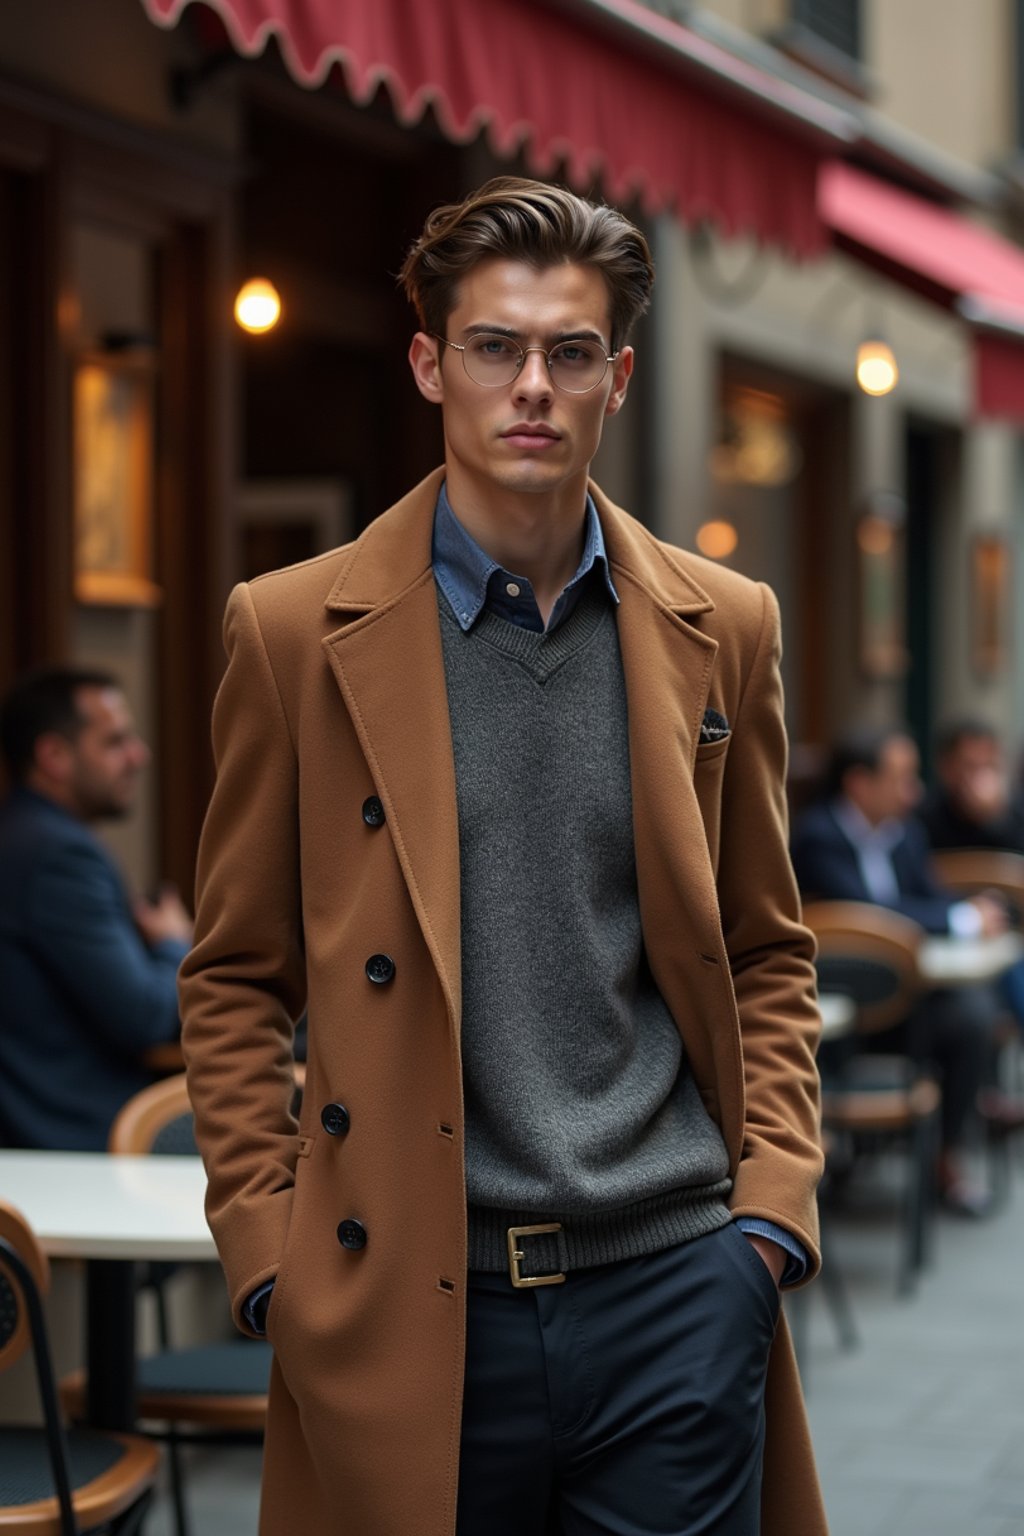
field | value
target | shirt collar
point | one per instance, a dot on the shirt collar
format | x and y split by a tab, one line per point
860	832
469	577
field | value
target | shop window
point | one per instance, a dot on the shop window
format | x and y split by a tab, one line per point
835	22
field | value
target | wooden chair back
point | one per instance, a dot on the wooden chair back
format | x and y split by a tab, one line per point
869	954
157	1119
15	1331
970	870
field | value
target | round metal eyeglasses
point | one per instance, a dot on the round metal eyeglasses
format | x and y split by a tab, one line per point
490	360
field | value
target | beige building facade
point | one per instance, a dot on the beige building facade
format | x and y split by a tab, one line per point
937	84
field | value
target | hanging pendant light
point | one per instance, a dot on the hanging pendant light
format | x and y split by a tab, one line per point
257	306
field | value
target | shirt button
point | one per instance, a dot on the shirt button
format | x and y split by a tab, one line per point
380	969
513	588
335	1119
352	1234
373	812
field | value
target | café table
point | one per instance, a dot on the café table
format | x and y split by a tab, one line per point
111	1212
945	961
838	1015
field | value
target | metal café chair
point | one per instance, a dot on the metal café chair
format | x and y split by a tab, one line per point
56	1481
871	1099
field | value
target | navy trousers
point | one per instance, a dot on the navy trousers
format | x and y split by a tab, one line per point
628	1401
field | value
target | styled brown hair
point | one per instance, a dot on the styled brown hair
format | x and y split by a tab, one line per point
519	220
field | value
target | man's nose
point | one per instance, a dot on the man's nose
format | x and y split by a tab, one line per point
533	380
140	753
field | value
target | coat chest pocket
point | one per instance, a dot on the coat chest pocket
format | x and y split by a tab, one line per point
708	773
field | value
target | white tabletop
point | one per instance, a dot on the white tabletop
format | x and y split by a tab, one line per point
838	1014
951	962
88	1205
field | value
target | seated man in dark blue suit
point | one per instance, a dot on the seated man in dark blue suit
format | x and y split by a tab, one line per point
862	842
87	976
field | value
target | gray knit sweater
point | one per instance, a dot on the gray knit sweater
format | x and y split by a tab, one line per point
580	1106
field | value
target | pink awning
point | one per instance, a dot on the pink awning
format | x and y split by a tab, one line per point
944	257
604	86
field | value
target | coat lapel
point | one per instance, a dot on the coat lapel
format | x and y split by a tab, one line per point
668	664
388	663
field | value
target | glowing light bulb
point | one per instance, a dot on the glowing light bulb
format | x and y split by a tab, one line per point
717	539
877	373
257	306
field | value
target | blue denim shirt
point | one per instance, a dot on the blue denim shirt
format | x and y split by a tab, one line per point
472	581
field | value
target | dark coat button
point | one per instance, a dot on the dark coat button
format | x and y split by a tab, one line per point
373	812
380	969
335	1119
352	1234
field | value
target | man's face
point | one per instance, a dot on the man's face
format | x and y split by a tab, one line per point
526	436
103	763
974	764
894	788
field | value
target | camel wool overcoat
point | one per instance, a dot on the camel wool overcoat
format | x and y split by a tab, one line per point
332	838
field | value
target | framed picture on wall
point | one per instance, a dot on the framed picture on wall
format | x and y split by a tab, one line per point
112	418
881	588
280	522
990	604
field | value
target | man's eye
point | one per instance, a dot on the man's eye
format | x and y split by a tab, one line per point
494	346
573	353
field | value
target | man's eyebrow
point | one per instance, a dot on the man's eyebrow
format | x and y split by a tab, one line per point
582	333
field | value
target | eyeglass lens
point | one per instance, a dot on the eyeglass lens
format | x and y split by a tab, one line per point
575	366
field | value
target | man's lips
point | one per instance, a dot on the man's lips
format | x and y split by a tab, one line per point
530	434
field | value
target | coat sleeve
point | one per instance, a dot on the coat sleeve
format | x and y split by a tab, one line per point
771	958
243	984
82	933
921	897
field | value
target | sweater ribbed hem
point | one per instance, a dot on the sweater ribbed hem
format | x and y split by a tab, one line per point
598	1237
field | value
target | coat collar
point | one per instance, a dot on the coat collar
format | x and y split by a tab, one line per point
395	552
392	555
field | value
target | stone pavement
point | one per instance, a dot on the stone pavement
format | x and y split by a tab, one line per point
919	1430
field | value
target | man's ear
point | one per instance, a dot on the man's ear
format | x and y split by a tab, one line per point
425	362
53	756
622	369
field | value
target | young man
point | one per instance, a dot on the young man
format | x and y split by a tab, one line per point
500	794
88	977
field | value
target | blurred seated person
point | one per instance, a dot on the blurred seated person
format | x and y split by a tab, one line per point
862	842
971	805
87	975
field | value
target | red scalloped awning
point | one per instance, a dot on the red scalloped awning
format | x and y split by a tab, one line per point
603	86
944	257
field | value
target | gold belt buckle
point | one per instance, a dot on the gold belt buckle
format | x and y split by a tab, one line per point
516	1256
